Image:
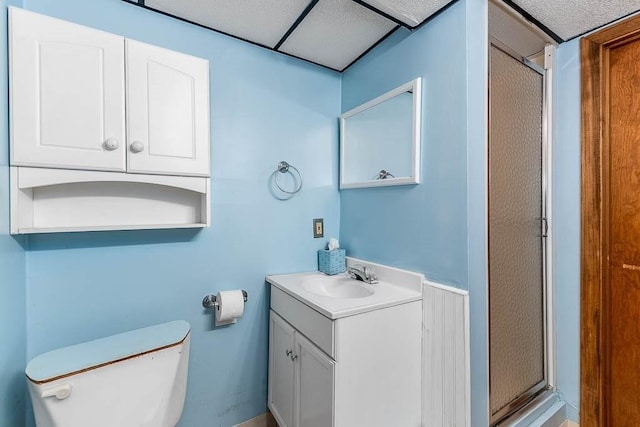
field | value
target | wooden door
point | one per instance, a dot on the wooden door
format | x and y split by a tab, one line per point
314	385
623	333
67	94
281	370
610	310
167	111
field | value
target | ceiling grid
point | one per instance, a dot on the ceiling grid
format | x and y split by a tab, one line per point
336	33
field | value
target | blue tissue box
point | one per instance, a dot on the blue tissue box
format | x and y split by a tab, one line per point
331	262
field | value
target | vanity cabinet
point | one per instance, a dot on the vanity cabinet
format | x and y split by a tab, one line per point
301	391
72	86
357	370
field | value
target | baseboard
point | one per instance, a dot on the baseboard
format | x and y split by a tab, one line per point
264	420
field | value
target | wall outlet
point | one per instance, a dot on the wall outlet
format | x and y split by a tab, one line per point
318	228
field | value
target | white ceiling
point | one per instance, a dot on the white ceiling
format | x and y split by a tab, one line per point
336	33
409	12
261	21
571	18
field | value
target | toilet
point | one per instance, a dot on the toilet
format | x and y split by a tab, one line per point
133	379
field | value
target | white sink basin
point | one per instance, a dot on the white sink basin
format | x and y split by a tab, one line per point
340	296
337	287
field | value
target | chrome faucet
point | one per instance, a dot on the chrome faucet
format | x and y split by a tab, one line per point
363	273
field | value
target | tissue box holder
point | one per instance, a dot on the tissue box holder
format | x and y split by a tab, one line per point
331	262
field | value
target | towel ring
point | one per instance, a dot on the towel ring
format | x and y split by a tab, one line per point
284	167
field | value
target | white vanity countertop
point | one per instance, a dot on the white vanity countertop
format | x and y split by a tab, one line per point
394	287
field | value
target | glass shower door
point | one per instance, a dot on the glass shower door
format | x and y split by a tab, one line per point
516	243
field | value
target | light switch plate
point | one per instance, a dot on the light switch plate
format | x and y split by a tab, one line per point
318	228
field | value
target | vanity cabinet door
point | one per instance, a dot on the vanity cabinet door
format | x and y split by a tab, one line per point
281	370
167	111
67	94
314	385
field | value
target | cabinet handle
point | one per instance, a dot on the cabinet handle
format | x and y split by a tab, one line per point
111	144
289	352
294	357
136	147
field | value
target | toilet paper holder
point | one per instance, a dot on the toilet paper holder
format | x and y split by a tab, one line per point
210	301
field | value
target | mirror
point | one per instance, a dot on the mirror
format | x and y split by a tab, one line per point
380	140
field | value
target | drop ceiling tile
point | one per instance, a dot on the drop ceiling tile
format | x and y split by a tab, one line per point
259	21
336	32
570	18
411	12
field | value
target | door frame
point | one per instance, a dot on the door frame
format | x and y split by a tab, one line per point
594	61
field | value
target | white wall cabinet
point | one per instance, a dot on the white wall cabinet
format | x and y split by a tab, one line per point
68	94
107	133
301	387
359	370
167	111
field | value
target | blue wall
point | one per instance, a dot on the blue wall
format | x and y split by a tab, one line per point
439	226
477	196
566	222
265	108
12	272
419	227
12	279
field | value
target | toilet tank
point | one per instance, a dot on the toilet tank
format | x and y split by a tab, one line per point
133	379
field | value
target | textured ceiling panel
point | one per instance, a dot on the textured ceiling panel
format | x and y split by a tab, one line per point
570	18
259	21
411	12
336	32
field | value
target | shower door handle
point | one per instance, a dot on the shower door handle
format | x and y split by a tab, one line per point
545	226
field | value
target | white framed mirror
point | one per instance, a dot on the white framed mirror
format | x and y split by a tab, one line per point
380	140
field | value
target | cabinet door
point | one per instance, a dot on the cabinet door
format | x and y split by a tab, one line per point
67	94
167	111
281	370
314	385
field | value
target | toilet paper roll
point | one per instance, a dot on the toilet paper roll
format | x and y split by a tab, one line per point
230	306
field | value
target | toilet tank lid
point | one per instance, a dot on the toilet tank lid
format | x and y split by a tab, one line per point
93	354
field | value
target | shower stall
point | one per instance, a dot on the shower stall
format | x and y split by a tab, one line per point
518	224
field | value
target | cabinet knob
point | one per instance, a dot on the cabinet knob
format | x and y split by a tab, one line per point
136	147
288	352
111	144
